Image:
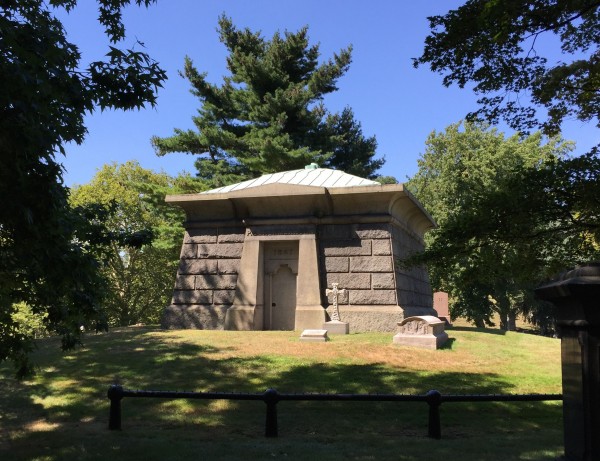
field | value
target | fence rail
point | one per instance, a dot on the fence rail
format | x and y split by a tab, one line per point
271	398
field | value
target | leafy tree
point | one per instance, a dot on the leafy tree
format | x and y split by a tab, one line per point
139	278
471	179
268	115
30	324
46	91
552	207
494	44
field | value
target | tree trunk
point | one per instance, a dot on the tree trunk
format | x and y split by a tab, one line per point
508	320
506	311
503	321
512	321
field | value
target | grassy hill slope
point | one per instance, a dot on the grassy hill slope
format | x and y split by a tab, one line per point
62	413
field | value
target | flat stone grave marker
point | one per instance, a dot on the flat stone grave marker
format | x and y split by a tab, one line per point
314	336
424	331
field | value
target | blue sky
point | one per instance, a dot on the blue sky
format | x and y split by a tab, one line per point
398	104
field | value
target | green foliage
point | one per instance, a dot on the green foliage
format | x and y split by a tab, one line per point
549	213
350	150
477	185
29	323
387	180
139	277
44	258
268	115
52	267
494	44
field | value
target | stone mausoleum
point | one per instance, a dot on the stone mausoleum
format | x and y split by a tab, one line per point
259	255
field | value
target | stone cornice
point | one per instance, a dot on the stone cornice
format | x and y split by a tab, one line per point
294	204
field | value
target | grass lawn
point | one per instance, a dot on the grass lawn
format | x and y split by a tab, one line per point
62	413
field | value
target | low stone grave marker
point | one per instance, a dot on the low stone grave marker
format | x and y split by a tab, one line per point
425	331
314	336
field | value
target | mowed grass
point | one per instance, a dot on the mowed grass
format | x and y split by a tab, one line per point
62	413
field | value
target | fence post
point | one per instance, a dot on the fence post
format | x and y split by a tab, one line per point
271	397
434	400
575	294
115	394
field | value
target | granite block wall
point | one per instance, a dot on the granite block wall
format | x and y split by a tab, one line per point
362	259
206	278
414	290
354	254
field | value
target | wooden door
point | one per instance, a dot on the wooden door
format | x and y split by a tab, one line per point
283	299
281	272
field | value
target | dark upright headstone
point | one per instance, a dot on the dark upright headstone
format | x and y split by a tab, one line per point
440	304
576	294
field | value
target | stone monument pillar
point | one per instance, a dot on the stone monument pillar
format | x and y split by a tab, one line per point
576	294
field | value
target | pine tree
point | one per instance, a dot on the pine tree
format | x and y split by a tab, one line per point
350	150
268	115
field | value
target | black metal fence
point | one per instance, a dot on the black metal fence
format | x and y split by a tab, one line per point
271	398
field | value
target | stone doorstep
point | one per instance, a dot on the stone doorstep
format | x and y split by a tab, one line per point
314	336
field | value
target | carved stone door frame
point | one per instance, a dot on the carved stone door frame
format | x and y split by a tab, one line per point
247	311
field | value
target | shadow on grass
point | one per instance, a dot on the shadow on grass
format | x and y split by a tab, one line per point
491	331
448	344
63	412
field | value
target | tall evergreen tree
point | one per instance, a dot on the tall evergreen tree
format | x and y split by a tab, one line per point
268	115
350	150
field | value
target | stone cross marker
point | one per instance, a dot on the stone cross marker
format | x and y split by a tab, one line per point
335	315
335	326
